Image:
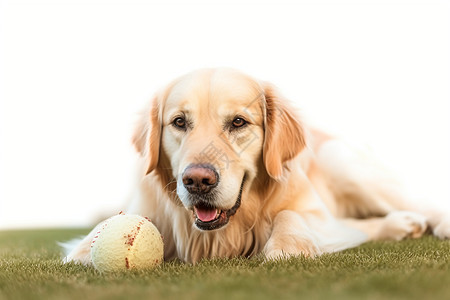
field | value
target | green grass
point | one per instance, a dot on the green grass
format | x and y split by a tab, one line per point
30	268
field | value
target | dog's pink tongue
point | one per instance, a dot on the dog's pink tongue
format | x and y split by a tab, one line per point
205	214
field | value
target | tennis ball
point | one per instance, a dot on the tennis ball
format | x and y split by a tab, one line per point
126	242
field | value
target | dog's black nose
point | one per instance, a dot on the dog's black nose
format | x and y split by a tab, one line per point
200	178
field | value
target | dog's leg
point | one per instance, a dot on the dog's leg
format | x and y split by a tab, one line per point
290	236
396	225
439	222
309	234
79	250
363	188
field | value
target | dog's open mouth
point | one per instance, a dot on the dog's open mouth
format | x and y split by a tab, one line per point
210	218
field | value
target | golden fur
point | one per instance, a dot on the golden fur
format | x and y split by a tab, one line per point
303	192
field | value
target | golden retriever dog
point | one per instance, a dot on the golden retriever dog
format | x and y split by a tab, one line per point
228	169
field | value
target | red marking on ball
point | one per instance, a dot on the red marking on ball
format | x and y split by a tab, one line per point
127	263
130	238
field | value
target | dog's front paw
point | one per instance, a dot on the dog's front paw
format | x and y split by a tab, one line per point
286	246
399	225
275	254
78	250
442	230
290	237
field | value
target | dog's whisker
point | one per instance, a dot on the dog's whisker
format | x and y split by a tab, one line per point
168	184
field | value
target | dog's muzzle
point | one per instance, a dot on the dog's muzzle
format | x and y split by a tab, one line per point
200	180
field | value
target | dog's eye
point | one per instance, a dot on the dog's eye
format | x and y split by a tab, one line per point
239	122
180	123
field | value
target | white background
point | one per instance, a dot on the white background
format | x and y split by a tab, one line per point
74	74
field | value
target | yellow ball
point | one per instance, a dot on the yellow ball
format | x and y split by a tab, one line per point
126	242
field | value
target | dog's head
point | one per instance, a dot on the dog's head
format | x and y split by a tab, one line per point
211	133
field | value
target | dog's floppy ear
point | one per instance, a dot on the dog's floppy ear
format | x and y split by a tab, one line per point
147	134
283	133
